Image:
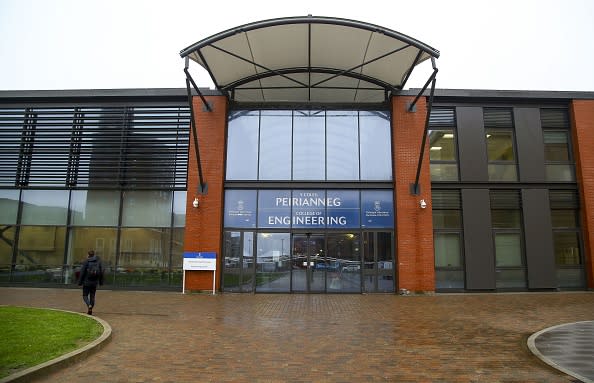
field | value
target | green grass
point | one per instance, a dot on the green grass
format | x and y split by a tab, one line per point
30	336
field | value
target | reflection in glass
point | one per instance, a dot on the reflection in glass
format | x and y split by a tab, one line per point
343	149
94	208
6	245
144	257
443	172
179	208
242	145
273	264
500	145
44	207
40	254
559	173
9	206
567	249
275	145
447	250
508	251
442	145
238	262
377	270
309	146
343	263
99	239
499	172
556	145
376	146
144	208
308	263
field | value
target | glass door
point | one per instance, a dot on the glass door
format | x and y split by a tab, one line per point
308	260
378	262
343	263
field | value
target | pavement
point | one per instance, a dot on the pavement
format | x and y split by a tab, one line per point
174	337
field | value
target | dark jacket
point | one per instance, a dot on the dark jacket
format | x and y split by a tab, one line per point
83	279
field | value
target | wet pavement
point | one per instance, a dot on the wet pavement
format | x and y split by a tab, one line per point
171	337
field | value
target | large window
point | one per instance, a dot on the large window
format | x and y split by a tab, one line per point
499	134
285	145
506	221
559	164
566	238
447	239
443	153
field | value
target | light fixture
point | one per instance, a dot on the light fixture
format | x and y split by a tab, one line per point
422	204
196	203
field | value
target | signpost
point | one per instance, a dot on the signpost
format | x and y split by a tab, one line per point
200	261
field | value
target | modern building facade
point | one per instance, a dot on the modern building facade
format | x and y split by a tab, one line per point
301	178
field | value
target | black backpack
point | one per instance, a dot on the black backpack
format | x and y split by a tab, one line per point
93	271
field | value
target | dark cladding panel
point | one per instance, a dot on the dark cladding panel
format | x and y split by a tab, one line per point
478	241
530	144
540	257
471	144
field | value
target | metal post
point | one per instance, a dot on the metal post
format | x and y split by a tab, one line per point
415	189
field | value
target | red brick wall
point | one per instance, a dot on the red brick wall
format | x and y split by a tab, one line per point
583	142
204	224
414	226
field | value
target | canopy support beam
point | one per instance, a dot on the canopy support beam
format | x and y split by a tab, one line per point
202	186
415	189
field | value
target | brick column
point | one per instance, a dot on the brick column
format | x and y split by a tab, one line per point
204	224
414	226
582	112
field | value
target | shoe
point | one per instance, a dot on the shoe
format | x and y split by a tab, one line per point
90	310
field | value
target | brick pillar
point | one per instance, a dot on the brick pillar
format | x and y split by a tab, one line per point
582	112
414	226
204	224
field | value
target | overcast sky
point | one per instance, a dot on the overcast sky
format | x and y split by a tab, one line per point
105	44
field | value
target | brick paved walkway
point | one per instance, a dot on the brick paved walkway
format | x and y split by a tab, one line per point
170	337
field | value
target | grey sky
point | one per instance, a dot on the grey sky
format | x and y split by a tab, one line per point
103	44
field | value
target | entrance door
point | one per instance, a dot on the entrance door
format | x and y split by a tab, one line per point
378	262
308	260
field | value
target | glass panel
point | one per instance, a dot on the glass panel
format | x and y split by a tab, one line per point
510	278
564	218
556	145
44	207
447	250
275	145
273	265
144	257
376	146
442	145
571	277
179	208
508	250
177	256
147	208
343	146
240	208
498	172
444	172
274	208
343	209
232	261
447	219
9	206
6	247
559	172
508	219
40	254
500	145
343	263
377	209
309	146
385	263
94	208
247	262
83	239
567	248
242	146
449	279
309	208
307	255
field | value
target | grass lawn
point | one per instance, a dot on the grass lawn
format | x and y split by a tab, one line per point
30	336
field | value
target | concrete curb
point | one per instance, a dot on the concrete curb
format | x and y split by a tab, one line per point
532	346
66	359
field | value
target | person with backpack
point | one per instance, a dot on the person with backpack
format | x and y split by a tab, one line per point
91	275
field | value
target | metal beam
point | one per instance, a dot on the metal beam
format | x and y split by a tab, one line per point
202	184
431	78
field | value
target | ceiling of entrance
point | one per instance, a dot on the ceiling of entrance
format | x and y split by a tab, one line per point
309	59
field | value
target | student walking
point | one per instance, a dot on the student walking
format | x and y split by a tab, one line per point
91	275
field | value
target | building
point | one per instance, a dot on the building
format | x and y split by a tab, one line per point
308	170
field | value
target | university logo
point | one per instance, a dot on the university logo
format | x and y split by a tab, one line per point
377	205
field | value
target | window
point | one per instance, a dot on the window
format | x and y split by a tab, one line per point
499	135
442	145
285	145
447	239
566	238
506	223
559	164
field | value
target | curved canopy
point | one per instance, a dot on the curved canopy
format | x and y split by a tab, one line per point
309	59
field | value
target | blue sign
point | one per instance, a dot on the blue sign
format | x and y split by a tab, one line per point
274	208
377	210
309	208
240	208
343	211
